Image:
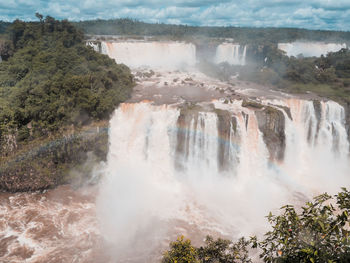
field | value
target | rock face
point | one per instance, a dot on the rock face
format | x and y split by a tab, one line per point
227	129
48	163
271	123
347	118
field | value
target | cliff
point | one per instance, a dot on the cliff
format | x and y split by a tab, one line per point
49	161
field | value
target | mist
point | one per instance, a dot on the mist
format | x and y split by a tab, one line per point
163	177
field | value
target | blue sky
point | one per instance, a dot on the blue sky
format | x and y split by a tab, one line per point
312	14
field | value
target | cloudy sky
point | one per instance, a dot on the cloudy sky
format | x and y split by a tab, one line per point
313	14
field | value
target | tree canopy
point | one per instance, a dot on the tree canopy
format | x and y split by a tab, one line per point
242	35
50	78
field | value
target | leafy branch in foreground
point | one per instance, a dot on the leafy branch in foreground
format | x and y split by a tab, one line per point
318	233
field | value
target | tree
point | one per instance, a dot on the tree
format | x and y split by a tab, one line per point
214	251
52	79
181	251
39	16
224	251
319	233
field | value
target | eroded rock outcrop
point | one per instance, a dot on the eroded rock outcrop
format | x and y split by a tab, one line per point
271	123
47	163
227	129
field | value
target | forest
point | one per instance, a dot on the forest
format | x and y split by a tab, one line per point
49	79
243	35
327	76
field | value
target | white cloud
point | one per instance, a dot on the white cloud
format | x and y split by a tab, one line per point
314	14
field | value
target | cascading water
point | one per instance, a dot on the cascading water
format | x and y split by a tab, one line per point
231	53
156	54
95	45
310	49
212	167
318	146
203	164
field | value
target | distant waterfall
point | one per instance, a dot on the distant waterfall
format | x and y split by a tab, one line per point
233	54
310	49
156	54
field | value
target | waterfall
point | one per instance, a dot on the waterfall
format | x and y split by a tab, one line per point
94	45
310	49
156	54
231	53
213	167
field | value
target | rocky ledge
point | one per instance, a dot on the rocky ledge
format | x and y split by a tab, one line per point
47	162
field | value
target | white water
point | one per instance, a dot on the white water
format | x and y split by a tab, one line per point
317	156
233	54
310	49
156	54
94	45
162	167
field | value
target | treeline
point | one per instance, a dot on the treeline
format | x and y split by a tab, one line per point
49	79
3	27
240	34
318	233
327	76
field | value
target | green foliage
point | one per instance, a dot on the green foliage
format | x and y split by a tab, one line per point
181	251
214	251
240	34
319	233
326	76
224	251
53	79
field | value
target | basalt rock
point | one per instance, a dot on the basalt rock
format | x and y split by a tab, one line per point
271	123
347	118
227	128
318	113
48	162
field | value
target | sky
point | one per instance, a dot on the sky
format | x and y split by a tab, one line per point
311	14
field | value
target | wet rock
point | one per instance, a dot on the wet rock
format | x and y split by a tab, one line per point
347	118
318	113
252	104
184	120
227	128
46	163
271	123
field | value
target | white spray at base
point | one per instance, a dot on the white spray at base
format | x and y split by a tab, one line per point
164	164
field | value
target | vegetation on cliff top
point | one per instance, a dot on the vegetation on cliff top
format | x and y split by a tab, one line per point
49	78
318	232
240	34
327	76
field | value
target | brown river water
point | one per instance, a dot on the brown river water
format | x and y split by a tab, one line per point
58	225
